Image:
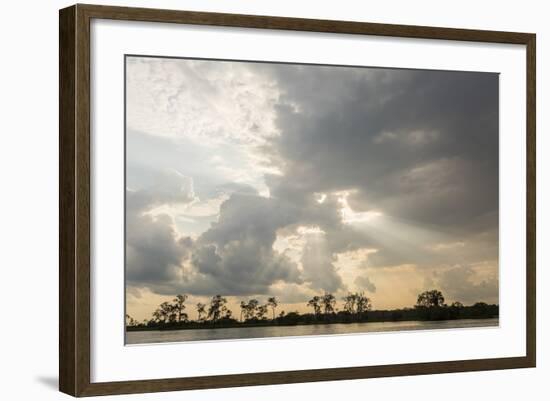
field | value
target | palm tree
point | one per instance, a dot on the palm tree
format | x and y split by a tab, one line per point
272	302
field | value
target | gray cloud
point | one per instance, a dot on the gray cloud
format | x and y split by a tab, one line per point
419	146
319	270
159	187
234	257
153	250
470	245
457	284
441	167
364	282
290	293
240	255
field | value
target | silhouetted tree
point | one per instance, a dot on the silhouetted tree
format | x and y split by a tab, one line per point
157	315
430	299
201	310
329	301
217	308
172	313
250	309
243	309
272	302
480	309
130	321
261	312
179	307
430	306
350	301
164	312
356	303
315	303
363	304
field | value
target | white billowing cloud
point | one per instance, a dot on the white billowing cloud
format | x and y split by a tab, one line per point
209	102
227	108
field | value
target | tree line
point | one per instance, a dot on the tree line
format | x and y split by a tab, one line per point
355	307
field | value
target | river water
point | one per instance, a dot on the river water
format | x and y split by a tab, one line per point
168	336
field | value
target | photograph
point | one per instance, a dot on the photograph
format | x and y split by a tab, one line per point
269	199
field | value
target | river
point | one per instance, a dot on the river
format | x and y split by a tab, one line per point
169	336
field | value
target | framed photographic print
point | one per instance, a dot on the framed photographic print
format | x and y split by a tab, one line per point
279	200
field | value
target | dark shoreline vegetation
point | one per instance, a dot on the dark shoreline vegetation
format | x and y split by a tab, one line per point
357	308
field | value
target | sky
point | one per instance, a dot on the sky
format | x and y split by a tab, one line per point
252	180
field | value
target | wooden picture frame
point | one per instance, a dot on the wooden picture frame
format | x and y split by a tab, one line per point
74	199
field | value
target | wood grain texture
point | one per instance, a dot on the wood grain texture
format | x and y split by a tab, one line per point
300	24
67	289
74	199
301	376
531	229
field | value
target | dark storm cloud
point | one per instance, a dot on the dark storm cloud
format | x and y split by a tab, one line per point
237	251
420	145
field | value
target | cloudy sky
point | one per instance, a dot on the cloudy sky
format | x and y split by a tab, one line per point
256	179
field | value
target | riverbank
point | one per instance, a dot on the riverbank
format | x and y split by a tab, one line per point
250	332
306	320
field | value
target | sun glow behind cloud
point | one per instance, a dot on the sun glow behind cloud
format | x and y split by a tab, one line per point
301	182
350	216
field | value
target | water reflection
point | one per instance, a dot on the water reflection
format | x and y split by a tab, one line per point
164	336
